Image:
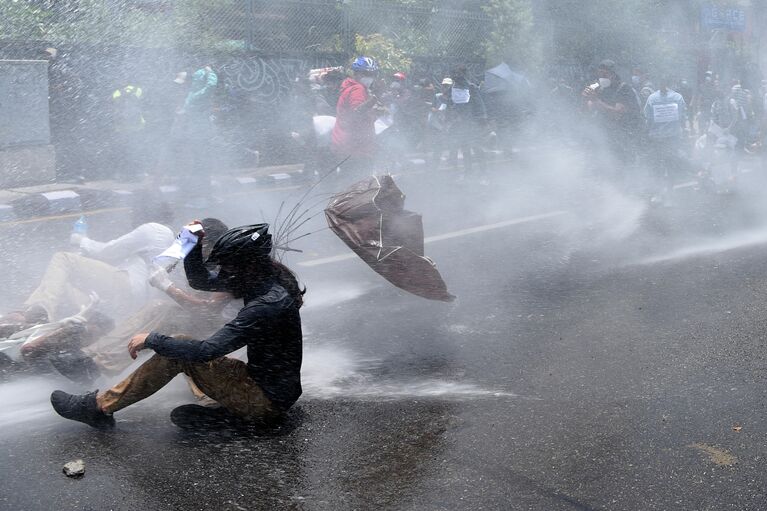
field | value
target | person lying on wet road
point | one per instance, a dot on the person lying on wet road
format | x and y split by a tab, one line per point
56	347
117	271
82	348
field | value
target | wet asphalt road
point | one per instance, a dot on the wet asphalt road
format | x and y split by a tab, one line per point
609	357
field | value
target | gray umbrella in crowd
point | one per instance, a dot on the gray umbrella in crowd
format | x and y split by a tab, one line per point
502	79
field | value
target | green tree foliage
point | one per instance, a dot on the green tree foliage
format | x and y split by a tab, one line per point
654	34
20	19
422	27
511	38
206	24
390	57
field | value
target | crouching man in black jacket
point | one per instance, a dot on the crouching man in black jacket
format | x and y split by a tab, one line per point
269	325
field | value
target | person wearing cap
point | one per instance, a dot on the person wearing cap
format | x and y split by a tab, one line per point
438	123
616	105
326	85
354	133
194	130
128	142
269	325
467	119
402	134
398	92
163	123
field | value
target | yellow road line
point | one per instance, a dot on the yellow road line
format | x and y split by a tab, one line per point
62	217
65	216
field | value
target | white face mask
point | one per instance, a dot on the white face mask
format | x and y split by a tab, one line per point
367	81
636	81
604	82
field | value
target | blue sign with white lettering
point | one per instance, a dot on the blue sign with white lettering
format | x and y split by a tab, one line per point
723	18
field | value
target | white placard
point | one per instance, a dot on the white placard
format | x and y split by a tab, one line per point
667	112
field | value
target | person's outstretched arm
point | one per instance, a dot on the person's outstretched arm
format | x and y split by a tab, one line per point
231	337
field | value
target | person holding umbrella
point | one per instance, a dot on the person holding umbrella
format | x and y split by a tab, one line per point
269	325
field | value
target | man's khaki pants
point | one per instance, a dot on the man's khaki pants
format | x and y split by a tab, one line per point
110	352
68	280
225	380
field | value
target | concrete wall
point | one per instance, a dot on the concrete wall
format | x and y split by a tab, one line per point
29	165
24	103
25	154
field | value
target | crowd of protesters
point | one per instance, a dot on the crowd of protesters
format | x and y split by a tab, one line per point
651	122
382	120
661	124
187	126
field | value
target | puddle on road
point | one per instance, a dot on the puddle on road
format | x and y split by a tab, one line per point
328	373
708	247
716	455
332	372
25	400
330	296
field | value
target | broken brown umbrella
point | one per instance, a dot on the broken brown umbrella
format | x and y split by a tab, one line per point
370	217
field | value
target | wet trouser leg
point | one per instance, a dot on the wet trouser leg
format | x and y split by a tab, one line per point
70	277
434	148
110	352
666	161
467	159
737	151
224	380
453	157
480	156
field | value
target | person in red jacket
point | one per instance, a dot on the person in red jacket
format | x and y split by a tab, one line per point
354	132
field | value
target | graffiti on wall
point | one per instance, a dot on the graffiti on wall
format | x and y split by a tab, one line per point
268	79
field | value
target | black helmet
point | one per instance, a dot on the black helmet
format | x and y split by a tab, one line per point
242	245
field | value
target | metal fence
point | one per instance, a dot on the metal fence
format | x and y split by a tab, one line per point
285	27
257	47
325	25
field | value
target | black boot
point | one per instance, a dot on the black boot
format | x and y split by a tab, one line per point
76	366
9	367
82	408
